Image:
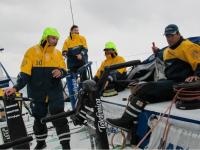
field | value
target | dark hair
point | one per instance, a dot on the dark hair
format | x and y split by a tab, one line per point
72	27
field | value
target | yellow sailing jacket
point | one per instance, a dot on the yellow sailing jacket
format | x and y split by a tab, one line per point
76	40
111	61
187	51
37	57
76	44
182	61
36	72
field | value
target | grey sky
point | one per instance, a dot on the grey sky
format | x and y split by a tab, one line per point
131	24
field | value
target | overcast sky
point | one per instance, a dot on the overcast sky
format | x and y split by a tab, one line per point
132	24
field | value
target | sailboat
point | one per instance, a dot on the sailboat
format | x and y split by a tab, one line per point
182	130
183	127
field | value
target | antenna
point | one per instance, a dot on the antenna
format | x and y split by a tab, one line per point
71	11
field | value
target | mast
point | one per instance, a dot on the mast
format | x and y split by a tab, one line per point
72	15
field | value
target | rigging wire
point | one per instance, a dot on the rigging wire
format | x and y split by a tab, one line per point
72	15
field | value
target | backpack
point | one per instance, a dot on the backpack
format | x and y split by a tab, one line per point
152	68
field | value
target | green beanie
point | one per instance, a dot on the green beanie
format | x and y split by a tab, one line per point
111	45
49	31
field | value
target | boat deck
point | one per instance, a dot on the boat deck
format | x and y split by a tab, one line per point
157	107
80	138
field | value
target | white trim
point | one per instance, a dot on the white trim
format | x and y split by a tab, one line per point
82	116
14	105
131	114
40	135
63	134
132	107
91	126
65	139
12	111
90	117
89	108
43	139
18	98
83	112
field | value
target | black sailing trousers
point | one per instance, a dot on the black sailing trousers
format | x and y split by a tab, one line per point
40	109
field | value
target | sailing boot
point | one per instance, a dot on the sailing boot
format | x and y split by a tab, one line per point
40	145
130	116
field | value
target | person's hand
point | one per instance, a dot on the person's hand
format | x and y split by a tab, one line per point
192	78
110	78
56	73
64	53
79	57
154	48
106	84
10	91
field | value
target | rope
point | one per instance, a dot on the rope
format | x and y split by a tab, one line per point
123	139
71	11
164	137
160	118
188	94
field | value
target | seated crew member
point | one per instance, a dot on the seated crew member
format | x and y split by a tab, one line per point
182	60
112	58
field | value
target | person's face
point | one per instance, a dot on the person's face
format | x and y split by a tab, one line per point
108	52
75	31
52	40
172	38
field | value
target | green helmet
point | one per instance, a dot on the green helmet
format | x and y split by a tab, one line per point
49	31
111	45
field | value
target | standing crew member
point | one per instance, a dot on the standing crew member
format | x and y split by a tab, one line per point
41	70
75	49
